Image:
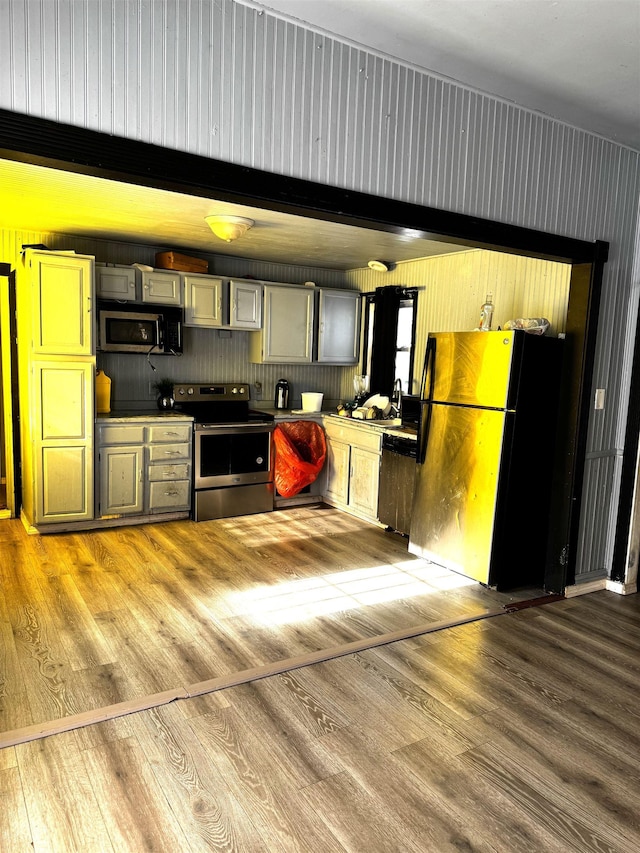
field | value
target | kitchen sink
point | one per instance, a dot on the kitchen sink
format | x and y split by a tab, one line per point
382	422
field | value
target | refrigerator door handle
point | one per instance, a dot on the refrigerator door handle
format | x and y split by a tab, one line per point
429	372
423	431
428	376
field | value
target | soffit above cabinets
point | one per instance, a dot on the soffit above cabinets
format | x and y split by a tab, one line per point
35	198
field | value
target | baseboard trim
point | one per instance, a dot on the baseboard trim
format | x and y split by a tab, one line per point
585	588
622	588
619	587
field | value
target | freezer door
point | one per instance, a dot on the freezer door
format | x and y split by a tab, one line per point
454	504
469	368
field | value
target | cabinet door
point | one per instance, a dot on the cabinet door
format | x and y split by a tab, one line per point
121	487
116	283
338	338
337	471
202	301
162	288
288	324
245	304
62	441
364	481
62	301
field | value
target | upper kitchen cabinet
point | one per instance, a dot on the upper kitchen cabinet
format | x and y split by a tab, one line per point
127	284
61	290
286	336
245	304
116	282
202	300
338	330
161	287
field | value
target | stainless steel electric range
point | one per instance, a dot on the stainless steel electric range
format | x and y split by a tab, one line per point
232	450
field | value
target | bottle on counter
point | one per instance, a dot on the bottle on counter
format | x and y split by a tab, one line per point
486	314
103	393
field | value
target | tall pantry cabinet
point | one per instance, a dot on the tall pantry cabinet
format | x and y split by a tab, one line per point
56	364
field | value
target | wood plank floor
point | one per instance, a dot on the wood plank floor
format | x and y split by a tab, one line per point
93	619
513	734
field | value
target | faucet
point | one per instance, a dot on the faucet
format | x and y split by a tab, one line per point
397	395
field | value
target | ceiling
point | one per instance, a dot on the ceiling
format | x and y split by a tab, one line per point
577	60
33	198
574	60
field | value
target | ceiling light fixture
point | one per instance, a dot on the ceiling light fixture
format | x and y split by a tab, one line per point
379	266
229	228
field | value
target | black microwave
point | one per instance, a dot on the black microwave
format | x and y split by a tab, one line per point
144	329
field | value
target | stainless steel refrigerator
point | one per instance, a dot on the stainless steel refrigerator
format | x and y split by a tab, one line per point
486	446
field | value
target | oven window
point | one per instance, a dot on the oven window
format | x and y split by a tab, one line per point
234	453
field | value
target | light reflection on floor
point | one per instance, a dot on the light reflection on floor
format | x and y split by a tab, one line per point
293	601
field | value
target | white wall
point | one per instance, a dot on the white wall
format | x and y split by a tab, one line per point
226	81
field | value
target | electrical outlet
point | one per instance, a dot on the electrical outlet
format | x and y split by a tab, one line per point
599	399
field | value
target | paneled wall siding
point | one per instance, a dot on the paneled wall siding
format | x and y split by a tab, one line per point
451	289
229	81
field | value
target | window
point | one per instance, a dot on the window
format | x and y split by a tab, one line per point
389	338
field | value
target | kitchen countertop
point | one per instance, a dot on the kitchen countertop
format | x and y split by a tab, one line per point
141	415
393	427
288	414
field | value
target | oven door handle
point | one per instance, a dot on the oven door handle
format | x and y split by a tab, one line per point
234	428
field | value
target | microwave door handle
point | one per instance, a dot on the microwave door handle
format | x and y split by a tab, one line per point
159	333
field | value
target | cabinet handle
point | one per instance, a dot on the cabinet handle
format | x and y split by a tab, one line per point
172	453
172	492
168	432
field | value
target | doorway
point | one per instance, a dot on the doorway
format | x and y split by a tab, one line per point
73	149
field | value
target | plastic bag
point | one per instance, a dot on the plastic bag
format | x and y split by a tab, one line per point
301	449
533	325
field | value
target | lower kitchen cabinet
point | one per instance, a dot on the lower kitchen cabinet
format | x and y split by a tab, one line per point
144	467
353	468
120	472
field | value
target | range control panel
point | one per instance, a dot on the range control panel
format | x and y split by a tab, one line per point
197	392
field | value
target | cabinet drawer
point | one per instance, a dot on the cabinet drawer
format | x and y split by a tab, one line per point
121	434
169	432
160	472
365	437
168	452
167	496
